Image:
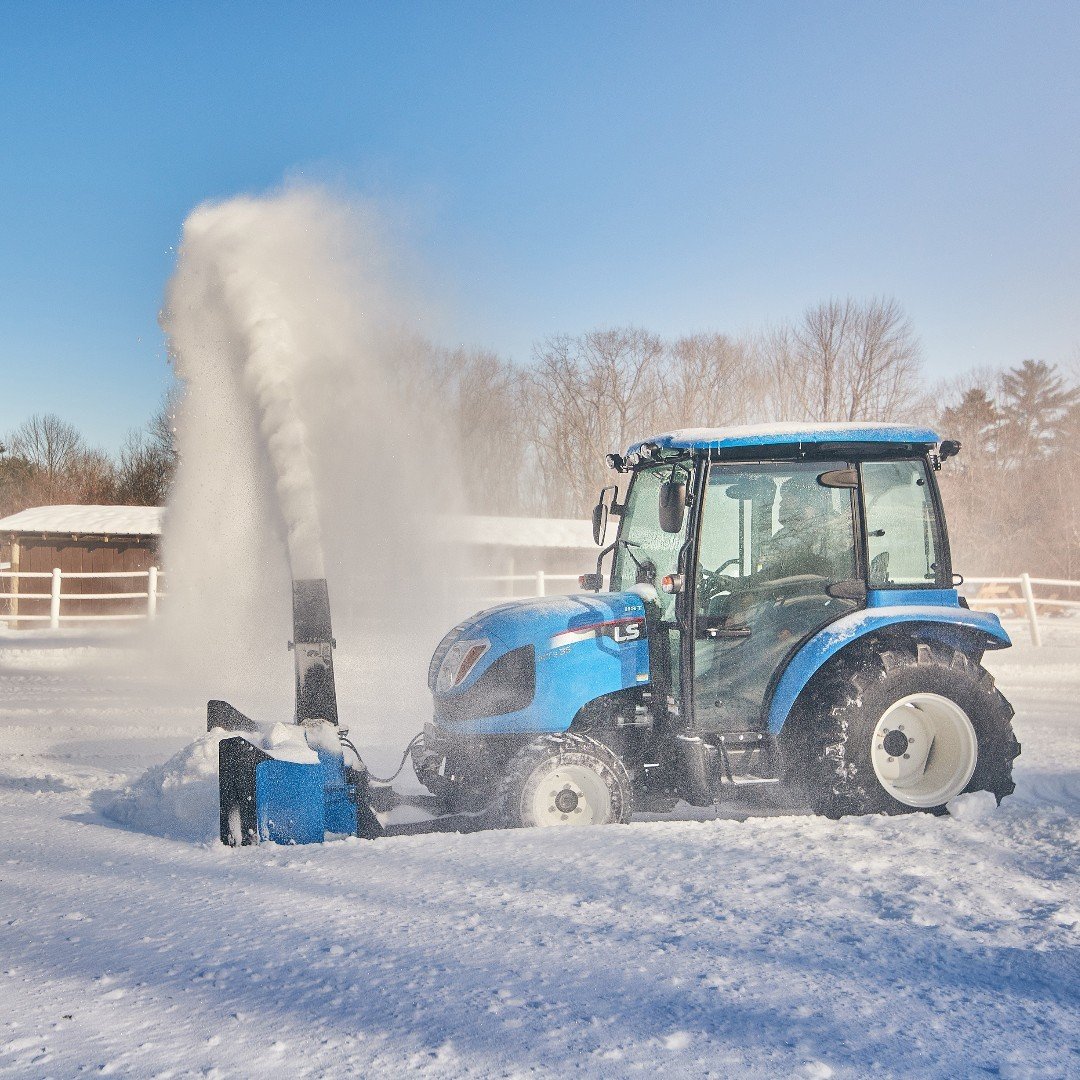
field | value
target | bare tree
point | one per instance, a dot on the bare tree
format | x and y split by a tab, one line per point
148	459
90	478
467	404
48	444
486	396
16	476
591	394
845	361
50	463
708	380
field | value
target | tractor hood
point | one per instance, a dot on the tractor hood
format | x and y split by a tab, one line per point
531	665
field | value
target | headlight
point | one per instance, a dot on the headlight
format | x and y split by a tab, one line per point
461	658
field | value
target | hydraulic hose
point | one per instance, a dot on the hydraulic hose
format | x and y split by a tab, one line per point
346	741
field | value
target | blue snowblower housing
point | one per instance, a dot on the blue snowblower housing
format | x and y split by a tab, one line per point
297	790
779	619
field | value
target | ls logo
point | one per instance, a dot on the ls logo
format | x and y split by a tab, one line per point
623	632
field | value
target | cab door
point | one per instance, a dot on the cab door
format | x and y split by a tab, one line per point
646	553
777	561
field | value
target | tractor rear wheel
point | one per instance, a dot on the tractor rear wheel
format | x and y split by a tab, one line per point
566	779
900	729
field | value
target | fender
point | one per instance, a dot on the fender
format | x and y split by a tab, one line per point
938	608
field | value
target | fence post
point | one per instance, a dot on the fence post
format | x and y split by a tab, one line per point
540	585
151	592
1029	600
54	600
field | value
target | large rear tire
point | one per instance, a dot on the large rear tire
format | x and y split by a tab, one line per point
566	779
899	729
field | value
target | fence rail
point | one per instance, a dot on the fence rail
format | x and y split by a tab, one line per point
56	597
539	580
993	592
990	597
987	597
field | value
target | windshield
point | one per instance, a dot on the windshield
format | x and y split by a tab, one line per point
644	551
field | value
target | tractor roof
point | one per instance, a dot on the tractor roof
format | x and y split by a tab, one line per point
790	435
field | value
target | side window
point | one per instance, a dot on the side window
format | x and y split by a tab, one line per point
771	521
902	540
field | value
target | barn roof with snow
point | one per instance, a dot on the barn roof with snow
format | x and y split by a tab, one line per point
85	521
509	532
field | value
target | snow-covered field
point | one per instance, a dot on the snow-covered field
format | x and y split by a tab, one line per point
773	946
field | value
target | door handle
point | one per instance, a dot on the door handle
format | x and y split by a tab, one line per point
715	632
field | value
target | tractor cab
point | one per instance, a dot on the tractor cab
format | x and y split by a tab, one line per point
751	554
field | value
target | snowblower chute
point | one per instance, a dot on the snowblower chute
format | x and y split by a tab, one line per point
291	785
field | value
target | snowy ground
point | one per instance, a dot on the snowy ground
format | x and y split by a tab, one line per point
775	946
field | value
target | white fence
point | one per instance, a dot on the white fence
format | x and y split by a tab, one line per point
991	596
1008	595
993	593
60	602
537	583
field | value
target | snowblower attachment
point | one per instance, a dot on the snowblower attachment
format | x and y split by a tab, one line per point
292	786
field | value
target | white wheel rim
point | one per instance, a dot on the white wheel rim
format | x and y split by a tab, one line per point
938	758
570	795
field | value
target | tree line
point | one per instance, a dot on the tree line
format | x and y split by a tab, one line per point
46	461
1012	495
530	438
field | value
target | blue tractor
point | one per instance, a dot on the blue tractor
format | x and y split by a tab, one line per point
781	616
781	612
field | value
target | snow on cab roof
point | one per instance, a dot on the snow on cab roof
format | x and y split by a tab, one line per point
787	434
87	520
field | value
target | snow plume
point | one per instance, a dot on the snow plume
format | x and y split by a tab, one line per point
299	446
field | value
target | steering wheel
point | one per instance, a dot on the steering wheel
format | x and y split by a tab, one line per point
714	582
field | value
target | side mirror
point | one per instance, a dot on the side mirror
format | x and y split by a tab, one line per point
599	523
672	505
604	506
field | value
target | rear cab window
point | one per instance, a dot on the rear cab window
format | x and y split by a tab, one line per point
904	537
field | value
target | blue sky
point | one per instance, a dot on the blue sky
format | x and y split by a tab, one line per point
555	167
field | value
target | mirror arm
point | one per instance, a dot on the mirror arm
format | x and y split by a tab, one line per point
600	557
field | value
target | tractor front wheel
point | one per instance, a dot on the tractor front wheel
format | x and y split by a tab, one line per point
566	779
900	729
